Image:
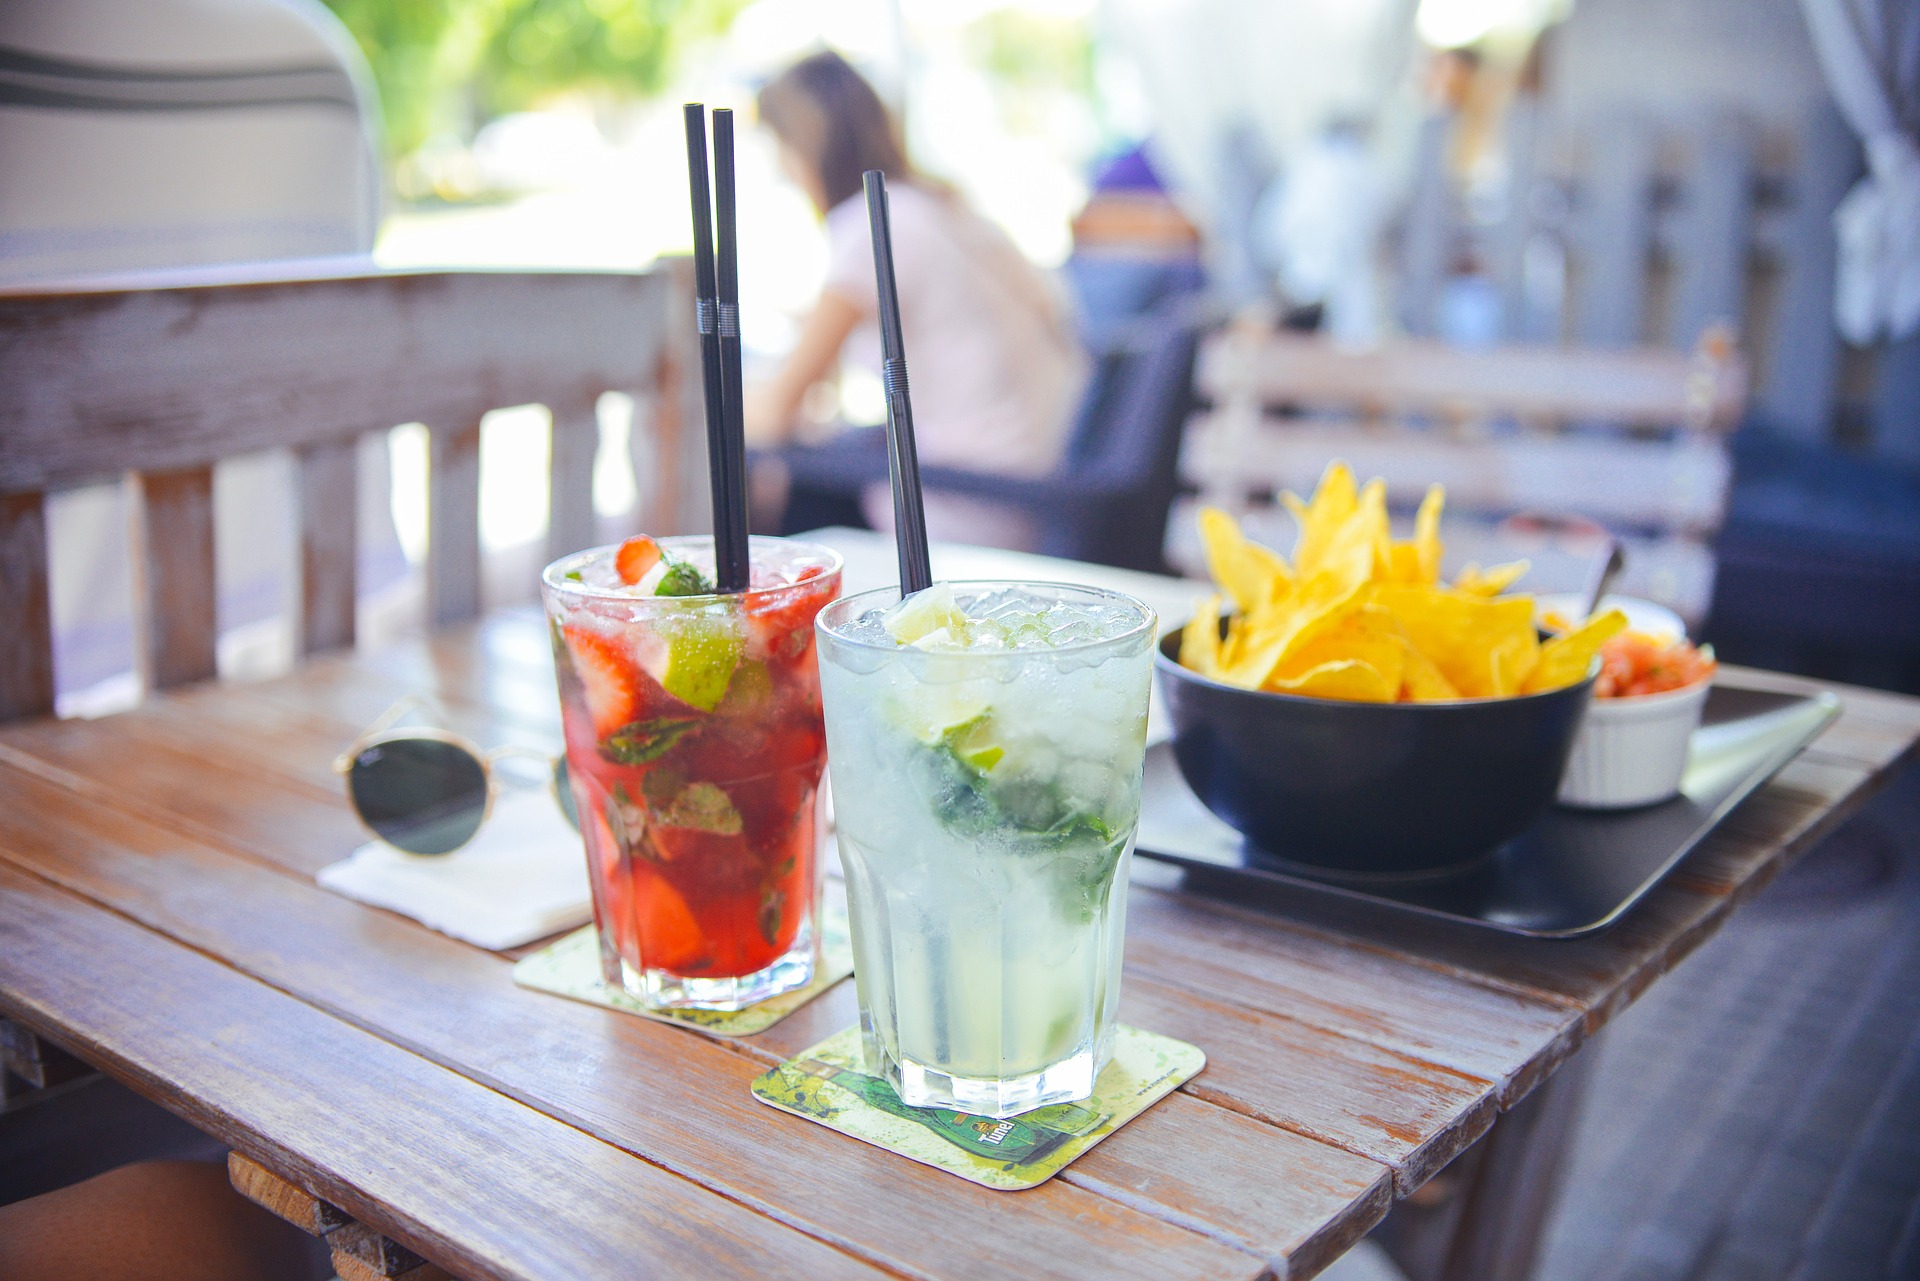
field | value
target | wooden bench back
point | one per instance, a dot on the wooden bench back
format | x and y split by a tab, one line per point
1650	455
161	375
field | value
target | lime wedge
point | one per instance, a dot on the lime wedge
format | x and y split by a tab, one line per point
923	613
933	714
698	663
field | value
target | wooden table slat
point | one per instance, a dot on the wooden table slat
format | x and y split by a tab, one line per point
419	1152
655	1090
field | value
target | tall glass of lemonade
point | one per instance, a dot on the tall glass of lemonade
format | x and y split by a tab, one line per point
987	742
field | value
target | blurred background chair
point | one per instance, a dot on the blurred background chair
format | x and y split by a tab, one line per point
1108	499
163	376
140	134
1632	440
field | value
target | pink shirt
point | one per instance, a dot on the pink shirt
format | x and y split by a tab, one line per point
992	364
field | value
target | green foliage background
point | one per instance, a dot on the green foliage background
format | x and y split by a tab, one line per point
446	65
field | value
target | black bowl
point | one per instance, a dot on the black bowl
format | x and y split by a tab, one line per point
1369	790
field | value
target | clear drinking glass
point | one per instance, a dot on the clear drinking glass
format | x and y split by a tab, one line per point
695	747
985	802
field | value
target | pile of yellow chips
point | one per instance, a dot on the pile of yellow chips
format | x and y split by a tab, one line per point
1362	617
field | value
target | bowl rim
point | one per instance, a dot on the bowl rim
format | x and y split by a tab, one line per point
1161	660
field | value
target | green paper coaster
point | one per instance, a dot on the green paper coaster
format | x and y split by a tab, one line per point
829	1084
571	968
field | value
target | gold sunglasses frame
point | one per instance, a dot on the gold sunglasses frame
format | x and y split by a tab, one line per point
383	731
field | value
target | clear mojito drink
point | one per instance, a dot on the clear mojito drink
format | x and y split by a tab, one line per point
987	742
695	749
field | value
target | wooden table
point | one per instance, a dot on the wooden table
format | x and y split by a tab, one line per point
159	919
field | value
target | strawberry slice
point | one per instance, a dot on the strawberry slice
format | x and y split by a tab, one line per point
636	556
608	677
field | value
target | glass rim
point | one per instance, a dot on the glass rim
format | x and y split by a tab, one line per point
1148	621
552	580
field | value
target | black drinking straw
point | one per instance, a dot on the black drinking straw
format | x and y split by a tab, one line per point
731	549
706	313
903	463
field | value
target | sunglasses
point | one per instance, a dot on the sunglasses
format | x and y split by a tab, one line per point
427	791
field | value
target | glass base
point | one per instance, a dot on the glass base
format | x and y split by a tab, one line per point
663	991
920	1086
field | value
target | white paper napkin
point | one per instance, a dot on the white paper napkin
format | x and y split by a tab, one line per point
522	877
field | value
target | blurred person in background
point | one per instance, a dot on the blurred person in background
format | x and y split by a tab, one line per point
995	368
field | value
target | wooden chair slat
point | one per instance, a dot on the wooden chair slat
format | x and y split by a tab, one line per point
576	440
1518	318
398	347
1530	382
1803	365
174	622
1715	230
308	356
453	524
1426	250
26	639
329	543
1616	226
1677	485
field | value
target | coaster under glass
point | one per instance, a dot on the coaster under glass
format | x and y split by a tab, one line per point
571	968
833	1085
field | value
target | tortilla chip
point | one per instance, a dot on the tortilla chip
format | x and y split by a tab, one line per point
1200	639
1566	660
1250	574
1349	681
1490	582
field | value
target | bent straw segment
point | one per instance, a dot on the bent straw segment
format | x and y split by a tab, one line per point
903	462
706	319
730	536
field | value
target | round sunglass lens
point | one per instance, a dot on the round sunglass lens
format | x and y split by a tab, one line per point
425	796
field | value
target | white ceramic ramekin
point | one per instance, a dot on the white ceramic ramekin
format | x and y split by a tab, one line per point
1632	751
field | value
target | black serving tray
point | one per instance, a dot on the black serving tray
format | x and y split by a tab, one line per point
1572	872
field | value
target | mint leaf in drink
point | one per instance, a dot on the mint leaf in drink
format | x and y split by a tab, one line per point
682	578
704	807
642	742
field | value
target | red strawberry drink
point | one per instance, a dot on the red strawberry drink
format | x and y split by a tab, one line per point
695	747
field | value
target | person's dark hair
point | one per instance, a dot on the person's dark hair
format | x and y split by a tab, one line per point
827	112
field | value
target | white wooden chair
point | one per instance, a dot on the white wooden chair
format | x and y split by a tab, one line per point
162	374
1631	439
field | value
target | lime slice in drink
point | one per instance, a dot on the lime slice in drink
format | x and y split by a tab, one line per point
936	714
923	613
693	659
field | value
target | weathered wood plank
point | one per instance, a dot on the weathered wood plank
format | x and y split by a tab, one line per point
651	1089
1426	249
288	1201
1679	485
1404	1113
26	642
1716	232
328	491
431	346
453	523
332	1123
174	620
1439	1017
575	442
1650	386
1803	366
1615	228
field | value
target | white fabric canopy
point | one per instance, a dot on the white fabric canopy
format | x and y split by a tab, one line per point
1870	52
